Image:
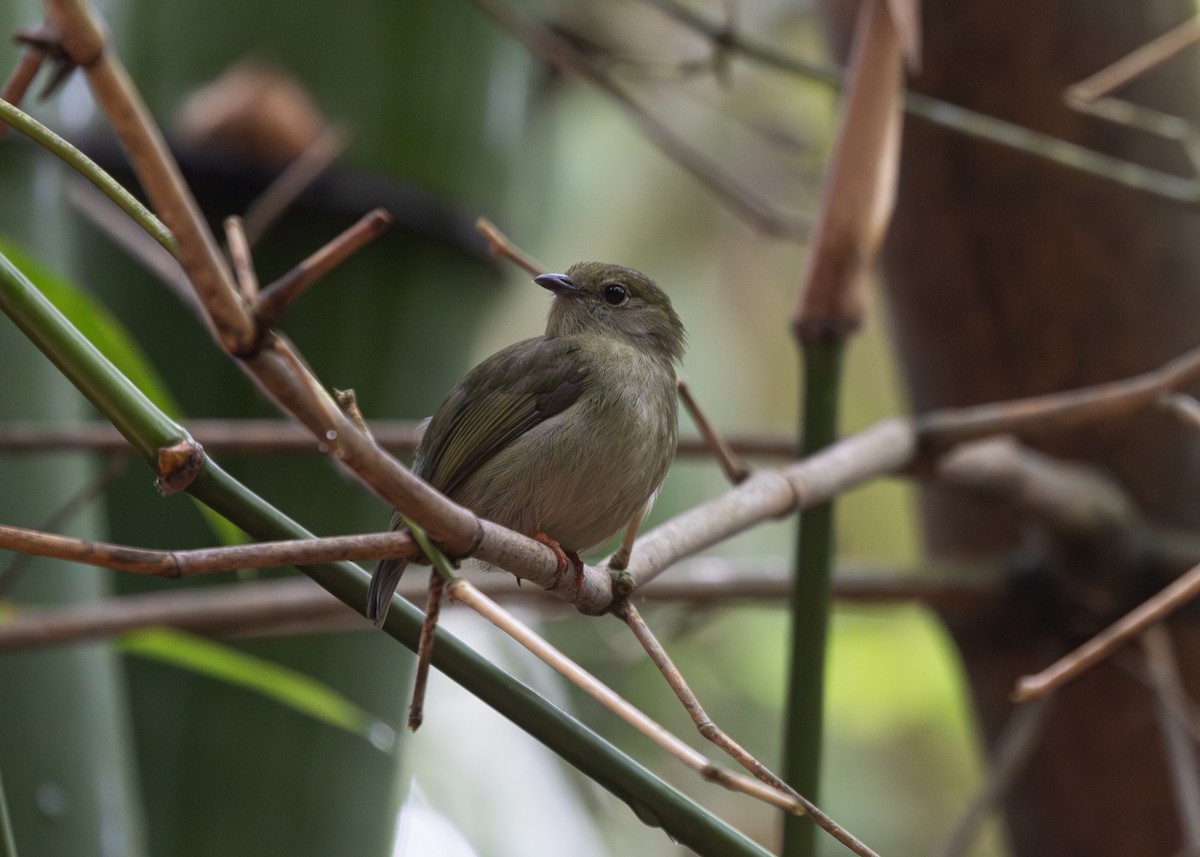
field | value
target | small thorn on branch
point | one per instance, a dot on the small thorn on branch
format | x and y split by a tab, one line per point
42	43
21	77
177	465
274	299
239	253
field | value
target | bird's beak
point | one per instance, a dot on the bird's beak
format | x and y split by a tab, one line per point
560	284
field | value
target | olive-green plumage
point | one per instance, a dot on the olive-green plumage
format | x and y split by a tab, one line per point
570	433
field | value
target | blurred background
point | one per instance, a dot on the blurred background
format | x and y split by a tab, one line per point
448	119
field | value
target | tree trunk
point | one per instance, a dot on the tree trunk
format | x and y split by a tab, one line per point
1009	276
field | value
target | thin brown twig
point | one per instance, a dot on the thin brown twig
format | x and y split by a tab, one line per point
175	564
255	436
462	591
433	609
704	724
1093	95
501	246
691	704
283	191
239	253
1057	411
1137	62
275	298
1151	611
1163	671
1014	747
735	470
84	43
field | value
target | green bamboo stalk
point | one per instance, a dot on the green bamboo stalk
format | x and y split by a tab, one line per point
652	800
810	599
89	169
8	842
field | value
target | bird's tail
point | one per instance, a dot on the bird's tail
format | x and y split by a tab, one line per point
383	583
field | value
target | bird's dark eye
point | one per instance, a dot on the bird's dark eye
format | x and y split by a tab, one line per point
615	293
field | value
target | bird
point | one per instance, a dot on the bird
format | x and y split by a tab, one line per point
566	437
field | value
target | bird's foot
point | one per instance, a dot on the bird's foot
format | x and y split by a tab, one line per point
565	559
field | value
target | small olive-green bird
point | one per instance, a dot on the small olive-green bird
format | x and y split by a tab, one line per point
567	435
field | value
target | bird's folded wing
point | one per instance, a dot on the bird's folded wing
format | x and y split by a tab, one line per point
497	402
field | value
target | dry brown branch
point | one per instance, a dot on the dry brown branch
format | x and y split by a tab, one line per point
1163	671
298	606
1138	62
1178	593
1054	412
704	724
175	564
463	592
888	447
501	247
256	436
859	188
83	41
1094	95
735	470
276	297
885	448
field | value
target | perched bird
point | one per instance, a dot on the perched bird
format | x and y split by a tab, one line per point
566	437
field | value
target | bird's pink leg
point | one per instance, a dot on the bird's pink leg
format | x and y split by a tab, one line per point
565	558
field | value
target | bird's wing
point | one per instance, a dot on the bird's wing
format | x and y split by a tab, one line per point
498	401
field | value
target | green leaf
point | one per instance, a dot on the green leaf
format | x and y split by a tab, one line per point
98	325
297	691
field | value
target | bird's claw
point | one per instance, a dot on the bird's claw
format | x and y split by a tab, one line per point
564	559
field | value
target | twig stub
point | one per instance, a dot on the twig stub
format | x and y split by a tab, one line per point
177	465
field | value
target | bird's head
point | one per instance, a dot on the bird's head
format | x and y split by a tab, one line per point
612	300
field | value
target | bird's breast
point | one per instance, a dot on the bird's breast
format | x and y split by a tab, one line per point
583	474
